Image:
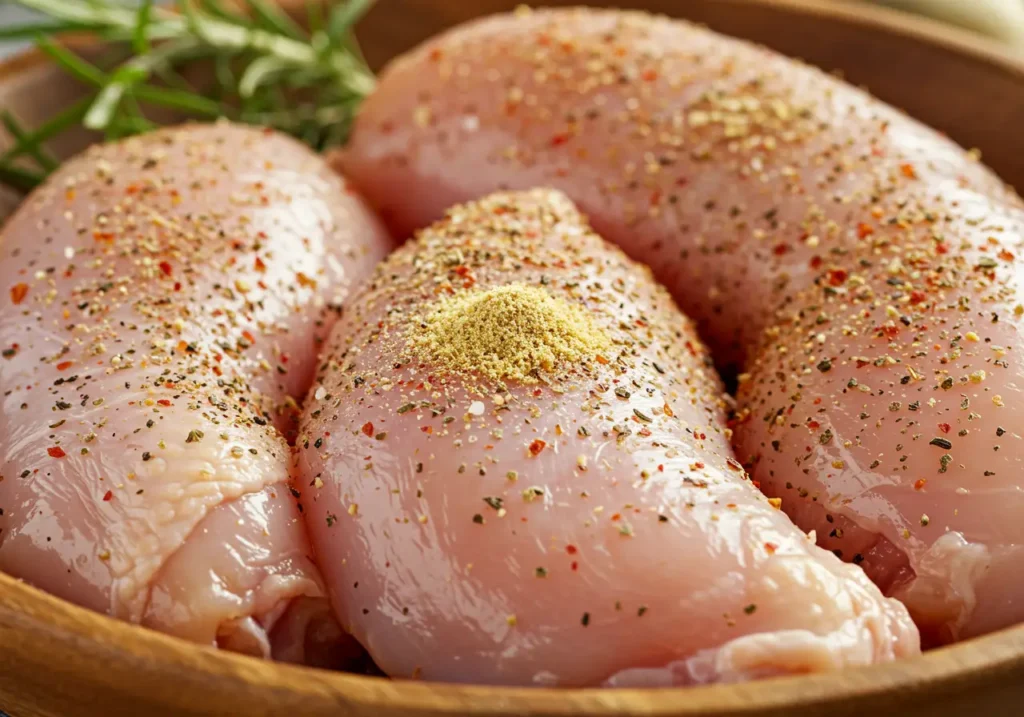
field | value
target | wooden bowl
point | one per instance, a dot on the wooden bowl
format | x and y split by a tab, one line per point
58	660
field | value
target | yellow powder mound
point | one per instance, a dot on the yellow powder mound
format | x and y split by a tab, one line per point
508	333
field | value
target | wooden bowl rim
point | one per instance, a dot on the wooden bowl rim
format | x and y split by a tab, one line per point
128	648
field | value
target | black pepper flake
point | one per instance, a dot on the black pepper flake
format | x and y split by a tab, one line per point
63	405
146	455
825	437
947	383
585	620
657	367
641	610
622	392
541	572
750	609
331	519
641	415
1000	431
405	408
825	365
478	519
194	436
318	443
941	443
495	503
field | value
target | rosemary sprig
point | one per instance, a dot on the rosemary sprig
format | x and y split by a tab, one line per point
266	69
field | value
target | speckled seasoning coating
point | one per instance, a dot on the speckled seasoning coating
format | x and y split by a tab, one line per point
860	269
590	527
162	302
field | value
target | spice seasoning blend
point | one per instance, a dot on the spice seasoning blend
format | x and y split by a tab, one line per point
516	471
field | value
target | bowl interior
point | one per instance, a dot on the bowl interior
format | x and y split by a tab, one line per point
56	659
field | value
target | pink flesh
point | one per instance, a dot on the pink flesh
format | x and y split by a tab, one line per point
860	436
165	279
708	159
743	177
646	559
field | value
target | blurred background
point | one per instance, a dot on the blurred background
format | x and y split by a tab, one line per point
1002	20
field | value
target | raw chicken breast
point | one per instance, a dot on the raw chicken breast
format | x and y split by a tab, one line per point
761	190
727	168
887	412
163	302
517	472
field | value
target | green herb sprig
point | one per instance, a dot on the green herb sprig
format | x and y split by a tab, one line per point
267	70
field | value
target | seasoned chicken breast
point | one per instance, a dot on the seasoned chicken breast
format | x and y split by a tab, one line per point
800	223
164	298
516	470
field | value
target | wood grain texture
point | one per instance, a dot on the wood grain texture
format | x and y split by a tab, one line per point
58	660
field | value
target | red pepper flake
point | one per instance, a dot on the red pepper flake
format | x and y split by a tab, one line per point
559	139
1006	255
164	402
864	230
56	452
780	249
247	335
816	262
888	331
259	265
108	496
837	277
367	428
64	365
537	446
942	248
429	430
907	170
436	54
944	427
919	483
305	280
18	293
771	548
916	297
571	549
165	267
649	75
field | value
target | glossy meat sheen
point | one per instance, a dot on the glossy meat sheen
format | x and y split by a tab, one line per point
162	299
725	167
587	528
755	186
887	412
